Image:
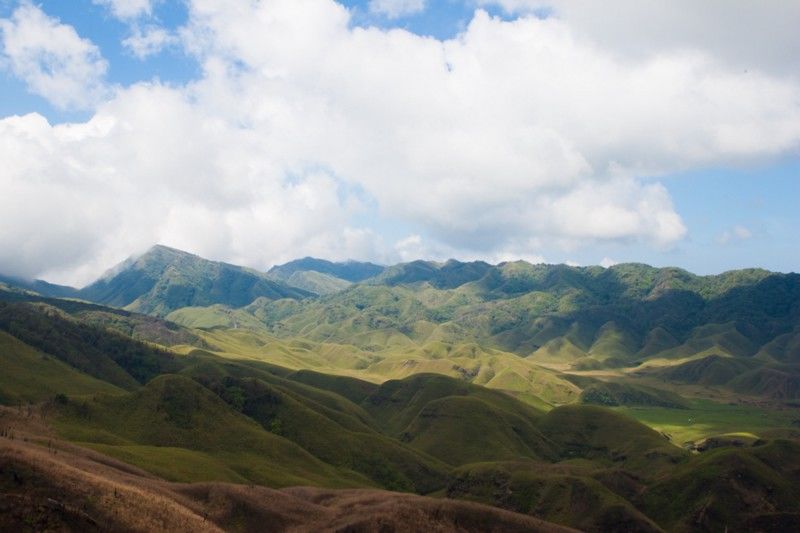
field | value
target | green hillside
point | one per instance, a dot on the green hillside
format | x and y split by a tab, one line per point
102	353
572	495
595	433
465	429
352	271
581	395
736	489
614	393
176	413
39	286
317	282
605	317
29	375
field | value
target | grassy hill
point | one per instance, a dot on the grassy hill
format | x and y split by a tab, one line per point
463	429
39	286
422	316
571	495
317	283
613	393
104	354
57	486
352	271
609	317
738	489
581	395
176	414
31	376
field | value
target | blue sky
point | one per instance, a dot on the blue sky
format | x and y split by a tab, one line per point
707	201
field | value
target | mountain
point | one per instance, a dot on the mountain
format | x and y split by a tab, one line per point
448	275
164	279
606	317
40	287
352	271
131	415
512	326
322	277
316	282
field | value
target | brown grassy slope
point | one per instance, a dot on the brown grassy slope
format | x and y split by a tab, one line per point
47	484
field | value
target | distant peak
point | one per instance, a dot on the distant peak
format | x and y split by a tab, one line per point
162	249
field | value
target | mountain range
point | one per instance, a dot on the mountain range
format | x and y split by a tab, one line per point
628	398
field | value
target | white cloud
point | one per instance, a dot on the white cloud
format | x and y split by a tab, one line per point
607	262
617	209
80	197
414	247
735	234
514	138
52	59
149	41
750	34
396	8
411	248
127	9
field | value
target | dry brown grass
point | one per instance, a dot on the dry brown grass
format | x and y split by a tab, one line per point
373	510
50	485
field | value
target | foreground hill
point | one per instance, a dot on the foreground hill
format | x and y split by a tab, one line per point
191	415
586	397
58	486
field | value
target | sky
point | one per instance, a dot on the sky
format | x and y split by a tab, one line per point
256	132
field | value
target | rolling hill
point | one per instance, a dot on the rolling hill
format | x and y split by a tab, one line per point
580	396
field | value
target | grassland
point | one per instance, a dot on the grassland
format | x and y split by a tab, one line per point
564	393
58	486
705	418
174	412
29	375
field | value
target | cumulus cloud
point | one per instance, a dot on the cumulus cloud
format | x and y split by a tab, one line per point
750	34
127	9
149	41
513	138
52	59
82	196
414	246
396	8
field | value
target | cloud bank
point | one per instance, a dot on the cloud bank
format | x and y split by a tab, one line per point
306	135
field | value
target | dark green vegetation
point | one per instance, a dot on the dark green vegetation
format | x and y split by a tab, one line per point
613	394
588	397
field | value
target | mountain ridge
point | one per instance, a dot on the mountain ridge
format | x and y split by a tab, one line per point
164	279
355	271
537	389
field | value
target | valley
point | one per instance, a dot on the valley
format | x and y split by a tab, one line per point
443	395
